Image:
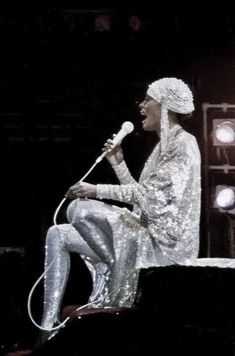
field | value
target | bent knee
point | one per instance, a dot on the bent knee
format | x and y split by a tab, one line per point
78	210
56	233
71	210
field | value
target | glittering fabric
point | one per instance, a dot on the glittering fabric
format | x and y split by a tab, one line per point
161	229
173	94
212	262
166	202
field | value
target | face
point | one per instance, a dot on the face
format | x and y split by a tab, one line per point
151	110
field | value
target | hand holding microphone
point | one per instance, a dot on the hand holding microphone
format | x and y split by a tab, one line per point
113	152
127	127
112	149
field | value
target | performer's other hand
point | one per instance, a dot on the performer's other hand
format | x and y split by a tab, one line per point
81	190
114	155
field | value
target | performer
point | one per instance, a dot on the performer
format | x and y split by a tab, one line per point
161	229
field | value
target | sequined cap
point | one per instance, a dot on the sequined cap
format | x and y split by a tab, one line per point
173	94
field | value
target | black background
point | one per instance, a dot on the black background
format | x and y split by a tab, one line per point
65	87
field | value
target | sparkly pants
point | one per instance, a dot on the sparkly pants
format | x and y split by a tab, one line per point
112	265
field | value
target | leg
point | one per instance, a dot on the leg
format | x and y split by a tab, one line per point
89	219
60	240
93	220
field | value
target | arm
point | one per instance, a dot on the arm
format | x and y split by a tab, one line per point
163	185
123	173
115	158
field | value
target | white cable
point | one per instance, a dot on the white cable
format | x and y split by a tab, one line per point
30	297
127	127
99	159
60	325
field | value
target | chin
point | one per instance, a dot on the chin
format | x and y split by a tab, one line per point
147	128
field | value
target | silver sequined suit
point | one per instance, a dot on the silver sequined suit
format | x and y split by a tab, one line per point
162	228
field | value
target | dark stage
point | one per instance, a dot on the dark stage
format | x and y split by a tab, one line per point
178	310
69	77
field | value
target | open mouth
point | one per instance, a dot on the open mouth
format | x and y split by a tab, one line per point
143	113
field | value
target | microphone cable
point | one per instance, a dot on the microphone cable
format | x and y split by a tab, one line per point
98	160
62	324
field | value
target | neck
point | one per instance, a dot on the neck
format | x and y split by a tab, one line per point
172	123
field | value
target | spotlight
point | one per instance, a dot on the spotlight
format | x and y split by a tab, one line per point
225	198
224	132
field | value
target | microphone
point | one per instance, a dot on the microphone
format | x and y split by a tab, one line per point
127	127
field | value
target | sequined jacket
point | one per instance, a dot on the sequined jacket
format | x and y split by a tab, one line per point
167	196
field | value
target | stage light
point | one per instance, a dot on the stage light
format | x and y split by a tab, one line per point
225	198
224	132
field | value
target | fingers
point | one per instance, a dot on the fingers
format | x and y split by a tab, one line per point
82	190
69	194
75	191
109	146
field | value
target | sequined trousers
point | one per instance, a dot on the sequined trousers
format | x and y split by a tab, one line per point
112	264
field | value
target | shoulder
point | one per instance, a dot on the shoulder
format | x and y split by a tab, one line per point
186	144
184	138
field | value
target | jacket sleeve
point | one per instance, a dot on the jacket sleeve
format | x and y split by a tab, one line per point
164	185
123	173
